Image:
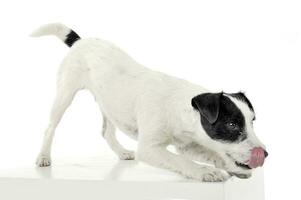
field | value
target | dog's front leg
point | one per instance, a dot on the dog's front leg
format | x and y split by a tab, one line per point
152	148
159	156
201	154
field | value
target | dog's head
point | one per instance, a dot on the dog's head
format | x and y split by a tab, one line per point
227	120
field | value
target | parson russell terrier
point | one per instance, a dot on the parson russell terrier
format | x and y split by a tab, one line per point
212	132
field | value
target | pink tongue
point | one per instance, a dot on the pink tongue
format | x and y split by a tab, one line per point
257	157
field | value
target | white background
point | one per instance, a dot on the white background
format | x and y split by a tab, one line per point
253	46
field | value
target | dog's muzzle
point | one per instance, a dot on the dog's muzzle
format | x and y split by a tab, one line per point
257	159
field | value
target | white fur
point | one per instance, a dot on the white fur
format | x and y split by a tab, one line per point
57	29
149	106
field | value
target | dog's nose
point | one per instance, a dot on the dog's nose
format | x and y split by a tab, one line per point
266	153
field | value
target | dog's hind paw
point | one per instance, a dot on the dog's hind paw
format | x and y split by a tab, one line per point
127	155
43	161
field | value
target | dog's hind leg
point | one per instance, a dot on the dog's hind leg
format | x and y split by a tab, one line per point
109	133
67	87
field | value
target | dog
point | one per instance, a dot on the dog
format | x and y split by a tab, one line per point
212	132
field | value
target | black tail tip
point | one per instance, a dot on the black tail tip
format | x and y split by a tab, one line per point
71	38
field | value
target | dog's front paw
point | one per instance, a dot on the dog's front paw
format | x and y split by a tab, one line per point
43	161
215	175
127	155
240	175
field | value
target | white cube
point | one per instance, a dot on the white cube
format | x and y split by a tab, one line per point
104	177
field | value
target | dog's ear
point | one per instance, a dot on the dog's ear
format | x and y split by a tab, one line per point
208	104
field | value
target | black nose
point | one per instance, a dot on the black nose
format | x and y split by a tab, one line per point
266	153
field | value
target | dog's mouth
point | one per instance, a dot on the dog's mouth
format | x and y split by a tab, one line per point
241	165
256	159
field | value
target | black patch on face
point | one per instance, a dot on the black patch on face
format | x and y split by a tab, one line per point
71	38
227	123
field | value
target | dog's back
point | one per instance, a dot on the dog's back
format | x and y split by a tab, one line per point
119	84
117	81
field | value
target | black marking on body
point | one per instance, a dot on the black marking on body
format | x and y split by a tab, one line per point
220	117
71	38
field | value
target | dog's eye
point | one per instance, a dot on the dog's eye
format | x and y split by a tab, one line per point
232	125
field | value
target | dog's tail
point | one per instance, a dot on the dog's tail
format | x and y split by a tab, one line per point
67	35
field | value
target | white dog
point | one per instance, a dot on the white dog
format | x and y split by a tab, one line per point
212	132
